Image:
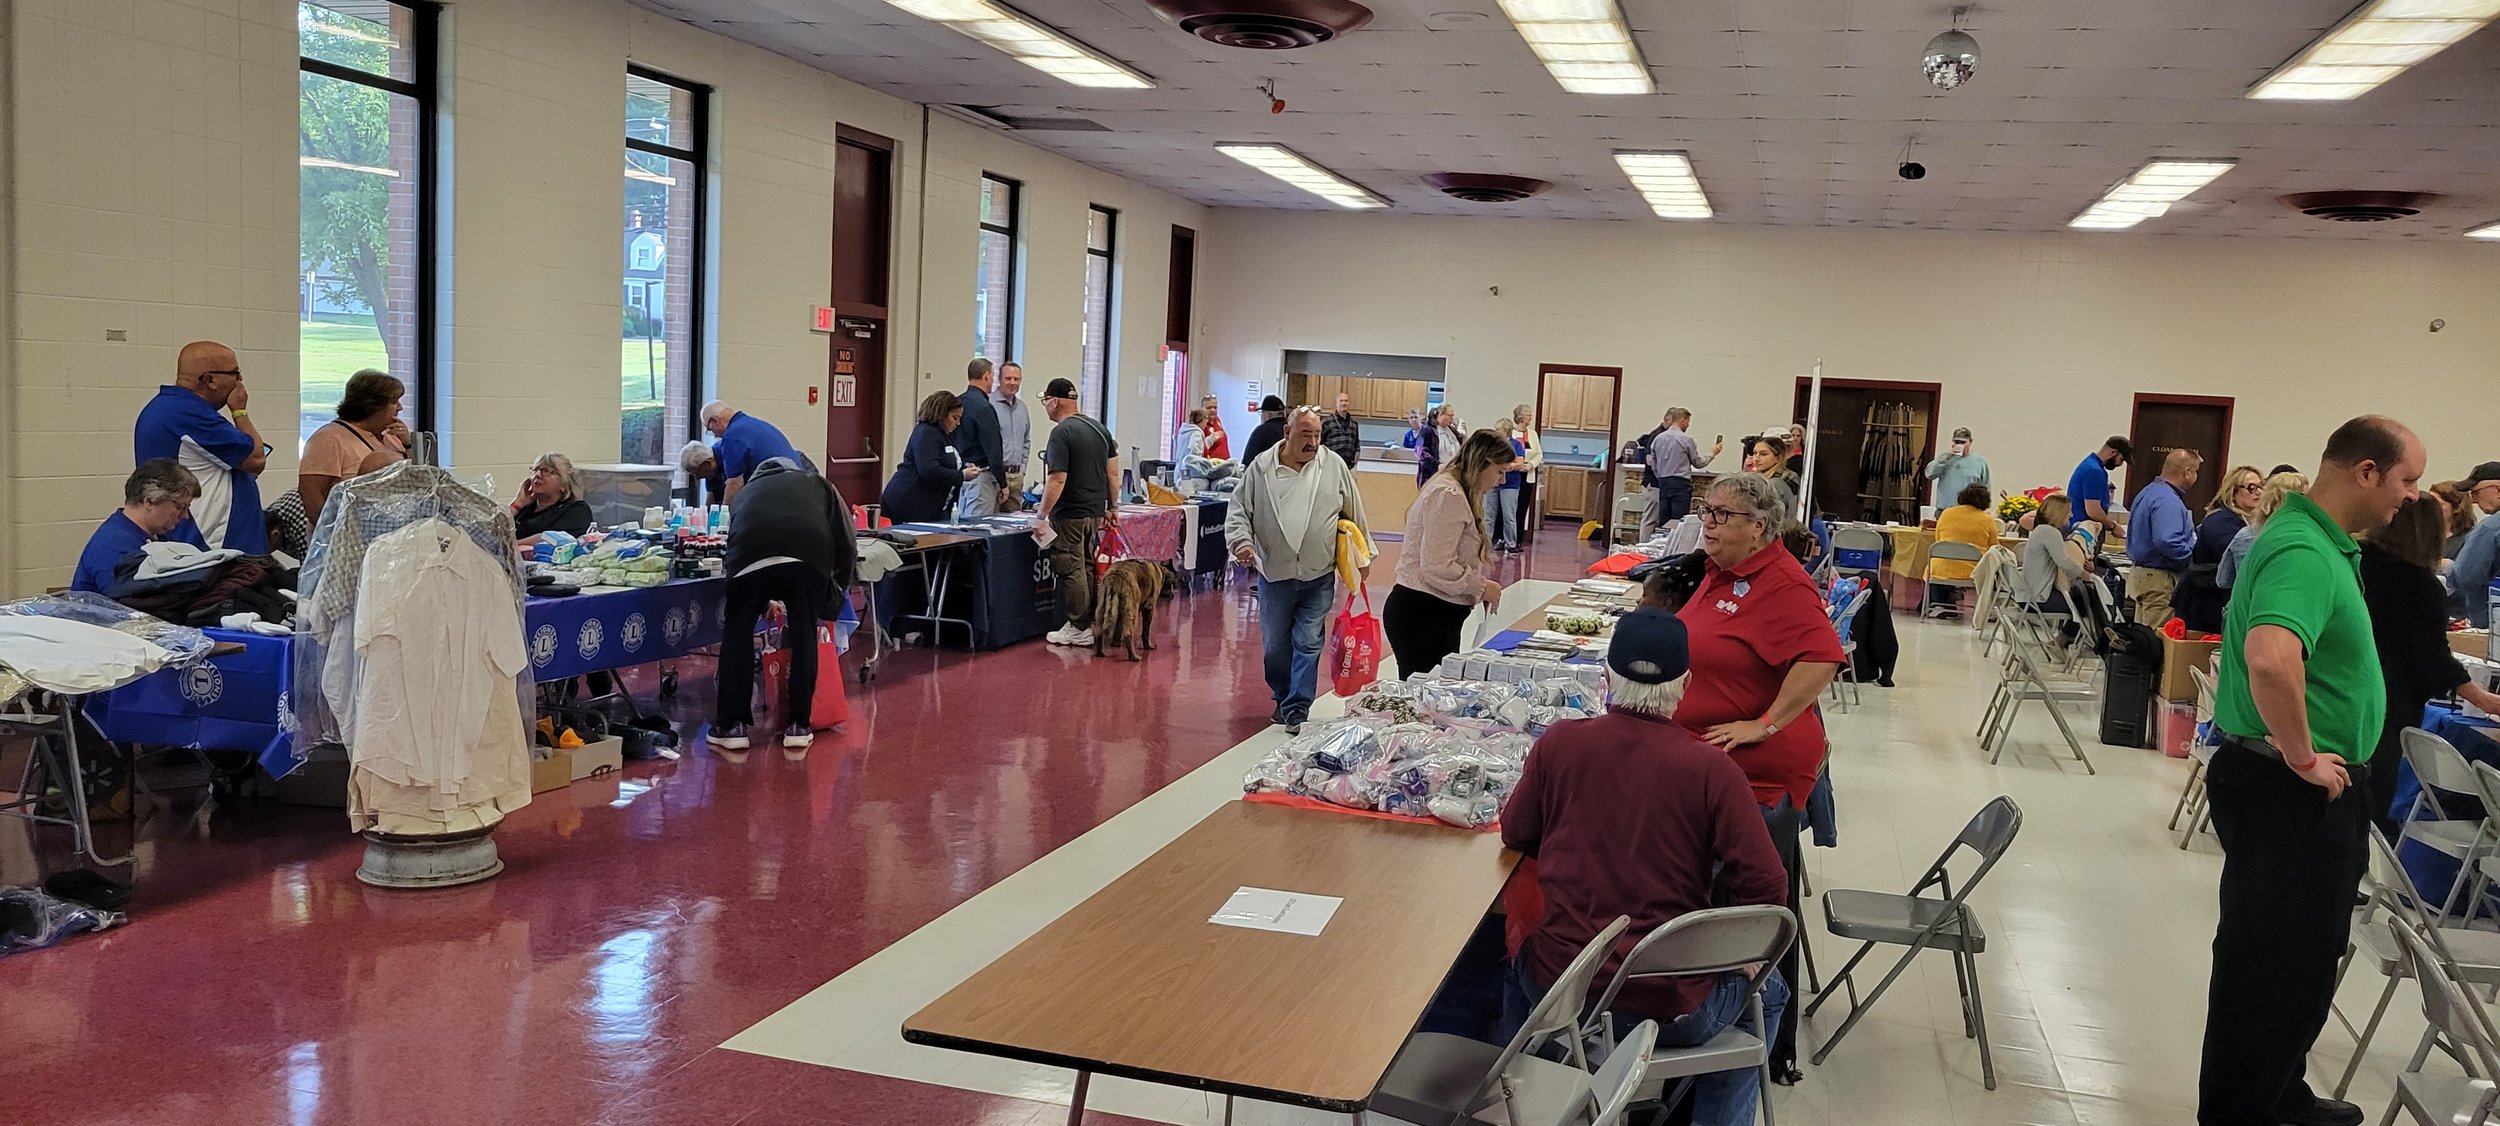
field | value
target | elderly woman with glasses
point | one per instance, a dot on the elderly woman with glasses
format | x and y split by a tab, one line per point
550	501
2200	598
1763	650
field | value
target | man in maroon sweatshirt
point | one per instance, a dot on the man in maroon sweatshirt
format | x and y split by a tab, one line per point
1626	814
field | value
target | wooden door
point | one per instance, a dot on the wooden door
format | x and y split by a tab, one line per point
2163	423
855	397
855	410
1597	407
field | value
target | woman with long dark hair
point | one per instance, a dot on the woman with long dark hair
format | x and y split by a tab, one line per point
1442	564
2409	619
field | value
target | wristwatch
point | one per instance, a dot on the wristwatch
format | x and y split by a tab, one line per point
1769	728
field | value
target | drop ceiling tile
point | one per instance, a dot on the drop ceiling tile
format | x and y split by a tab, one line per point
1789	49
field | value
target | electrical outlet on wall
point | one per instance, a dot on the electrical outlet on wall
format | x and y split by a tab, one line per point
116	335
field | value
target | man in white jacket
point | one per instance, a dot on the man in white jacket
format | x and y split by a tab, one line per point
1284	523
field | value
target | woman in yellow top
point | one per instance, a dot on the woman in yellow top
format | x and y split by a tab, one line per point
1970	522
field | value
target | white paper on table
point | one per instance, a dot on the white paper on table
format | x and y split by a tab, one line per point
1287	912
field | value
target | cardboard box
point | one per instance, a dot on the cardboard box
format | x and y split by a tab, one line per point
2177	657
552	773
607	756
2470	642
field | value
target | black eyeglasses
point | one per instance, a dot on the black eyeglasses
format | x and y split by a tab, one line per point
1714	515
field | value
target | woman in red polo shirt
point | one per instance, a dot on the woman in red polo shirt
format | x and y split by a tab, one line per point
1763	651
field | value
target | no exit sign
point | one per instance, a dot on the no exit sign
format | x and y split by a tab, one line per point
824	318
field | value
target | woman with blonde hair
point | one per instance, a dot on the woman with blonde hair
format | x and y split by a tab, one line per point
2270	497
2460	519
550	501
2199	599
1442	564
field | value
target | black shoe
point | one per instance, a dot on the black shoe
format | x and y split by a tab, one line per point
1787	1075
1883	682
2321	1111
1277	717
1294	720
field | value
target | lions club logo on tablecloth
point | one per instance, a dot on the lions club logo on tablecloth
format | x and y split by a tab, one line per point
543	646
593	633
203	684
634	633
673	627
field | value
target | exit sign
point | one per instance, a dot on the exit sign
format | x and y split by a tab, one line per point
824	318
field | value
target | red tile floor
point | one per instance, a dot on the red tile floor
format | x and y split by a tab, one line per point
637	924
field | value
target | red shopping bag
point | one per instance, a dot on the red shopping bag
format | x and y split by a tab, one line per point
1353	653
830	706
1113	548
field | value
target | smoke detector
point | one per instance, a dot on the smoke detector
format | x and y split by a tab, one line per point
1264	25
1486	187
2359	206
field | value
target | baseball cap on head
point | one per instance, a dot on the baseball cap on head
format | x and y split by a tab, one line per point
1061	388
1648	647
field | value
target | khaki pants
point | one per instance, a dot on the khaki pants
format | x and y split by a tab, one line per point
1013	499
1071	558
2151	589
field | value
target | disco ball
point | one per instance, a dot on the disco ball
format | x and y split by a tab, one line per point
1950	59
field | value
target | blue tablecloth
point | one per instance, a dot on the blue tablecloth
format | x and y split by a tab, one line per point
999	583
1203	551
240	702
2435	872
1509	639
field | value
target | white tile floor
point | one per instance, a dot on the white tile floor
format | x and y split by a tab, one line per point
2099	927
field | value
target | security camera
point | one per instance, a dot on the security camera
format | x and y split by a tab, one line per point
1913	170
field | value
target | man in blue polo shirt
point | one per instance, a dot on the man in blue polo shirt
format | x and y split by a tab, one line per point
2161	535
2089	487
745	442
182	423
156	505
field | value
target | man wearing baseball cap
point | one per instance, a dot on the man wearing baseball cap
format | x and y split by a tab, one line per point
1627	814
1269	431
1076	500
1956	469
2478	558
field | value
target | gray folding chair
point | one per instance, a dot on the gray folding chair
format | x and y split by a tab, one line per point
2201	757
1857	538
1443	1080
2442	770
1705	944
1920	920
2028	676
2455	1026
1612	1089
2471	956
1949	551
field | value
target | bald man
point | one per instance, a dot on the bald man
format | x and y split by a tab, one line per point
2161	535
183	423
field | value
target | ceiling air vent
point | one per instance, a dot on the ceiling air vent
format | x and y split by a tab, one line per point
1486	187
1264	25
2359	207
994	118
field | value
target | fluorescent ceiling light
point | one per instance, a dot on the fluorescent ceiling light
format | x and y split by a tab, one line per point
1029	42
1291	167
2372	45
1583	43
1666	180
2149	193
2490	232
343	166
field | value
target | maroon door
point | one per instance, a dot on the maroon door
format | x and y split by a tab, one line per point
863	216
2166	422
855	410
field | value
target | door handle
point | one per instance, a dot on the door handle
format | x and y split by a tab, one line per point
871	459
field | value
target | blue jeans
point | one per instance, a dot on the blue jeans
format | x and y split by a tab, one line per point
1501	516
1720	1098
1293	619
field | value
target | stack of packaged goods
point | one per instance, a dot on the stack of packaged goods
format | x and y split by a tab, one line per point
1445	749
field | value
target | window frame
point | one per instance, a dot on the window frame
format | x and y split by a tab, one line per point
1110	255
421	87
699	115
1013	228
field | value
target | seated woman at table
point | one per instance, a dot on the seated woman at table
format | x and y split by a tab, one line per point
924	484
366	435
2409	620
156	500
1970	522
1189	448
550	501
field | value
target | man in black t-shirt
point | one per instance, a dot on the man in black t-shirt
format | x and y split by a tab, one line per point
1076	502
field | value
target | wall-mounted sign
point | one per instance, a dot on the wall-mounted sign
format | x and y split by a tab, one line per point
824	319
846	390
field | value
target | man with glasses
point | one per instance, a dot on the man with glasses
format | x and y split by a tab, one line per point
183	424
156	505
2478	558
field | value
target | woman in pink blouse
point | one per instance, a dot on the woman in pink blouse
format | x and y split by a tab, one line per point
1441	566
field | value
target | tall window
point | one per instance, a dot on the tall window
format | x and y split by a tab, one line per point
364	289
994	300
1102	227
663	256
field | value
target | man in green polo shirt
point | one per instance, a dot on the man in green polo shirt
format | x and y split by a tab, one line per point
2299	697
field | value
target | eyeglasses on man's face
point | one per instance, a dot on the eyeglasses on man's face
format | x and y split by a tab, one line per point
1712	514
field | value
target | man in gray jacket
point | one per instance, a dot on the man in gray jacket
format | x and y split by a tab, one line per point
1284	523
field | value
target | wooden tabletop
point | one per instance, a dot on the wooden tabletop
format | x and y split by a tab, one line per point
1136	982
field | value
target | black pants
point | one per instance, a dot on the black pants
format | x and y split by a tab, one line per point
1786	822
800	589
1675	498
2291	862
1421	629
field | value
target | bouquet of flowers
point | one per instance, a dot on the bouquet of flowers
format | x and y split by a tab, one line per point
2013	507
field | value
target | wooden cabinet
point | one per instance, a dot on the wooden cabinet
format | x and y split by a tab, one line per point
1564	491
1578	402
1597	403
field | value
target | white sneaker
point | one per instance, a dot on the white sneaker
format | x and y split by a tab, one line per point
1081	638
1064	635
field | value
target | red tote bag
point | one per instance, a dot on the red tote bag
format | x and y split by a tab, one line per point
1353	653
830	706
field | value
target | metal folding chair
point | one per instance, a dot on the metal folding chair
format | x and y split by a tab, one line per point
2471	956
2027	678
1856	538
1612	1090
2200	758
1443	1080
2442	770
1705	944
1920	921
1844	688
1948	551
2455	1025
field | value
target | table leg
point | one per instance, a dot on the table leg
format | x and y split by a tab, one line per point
1076	1103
